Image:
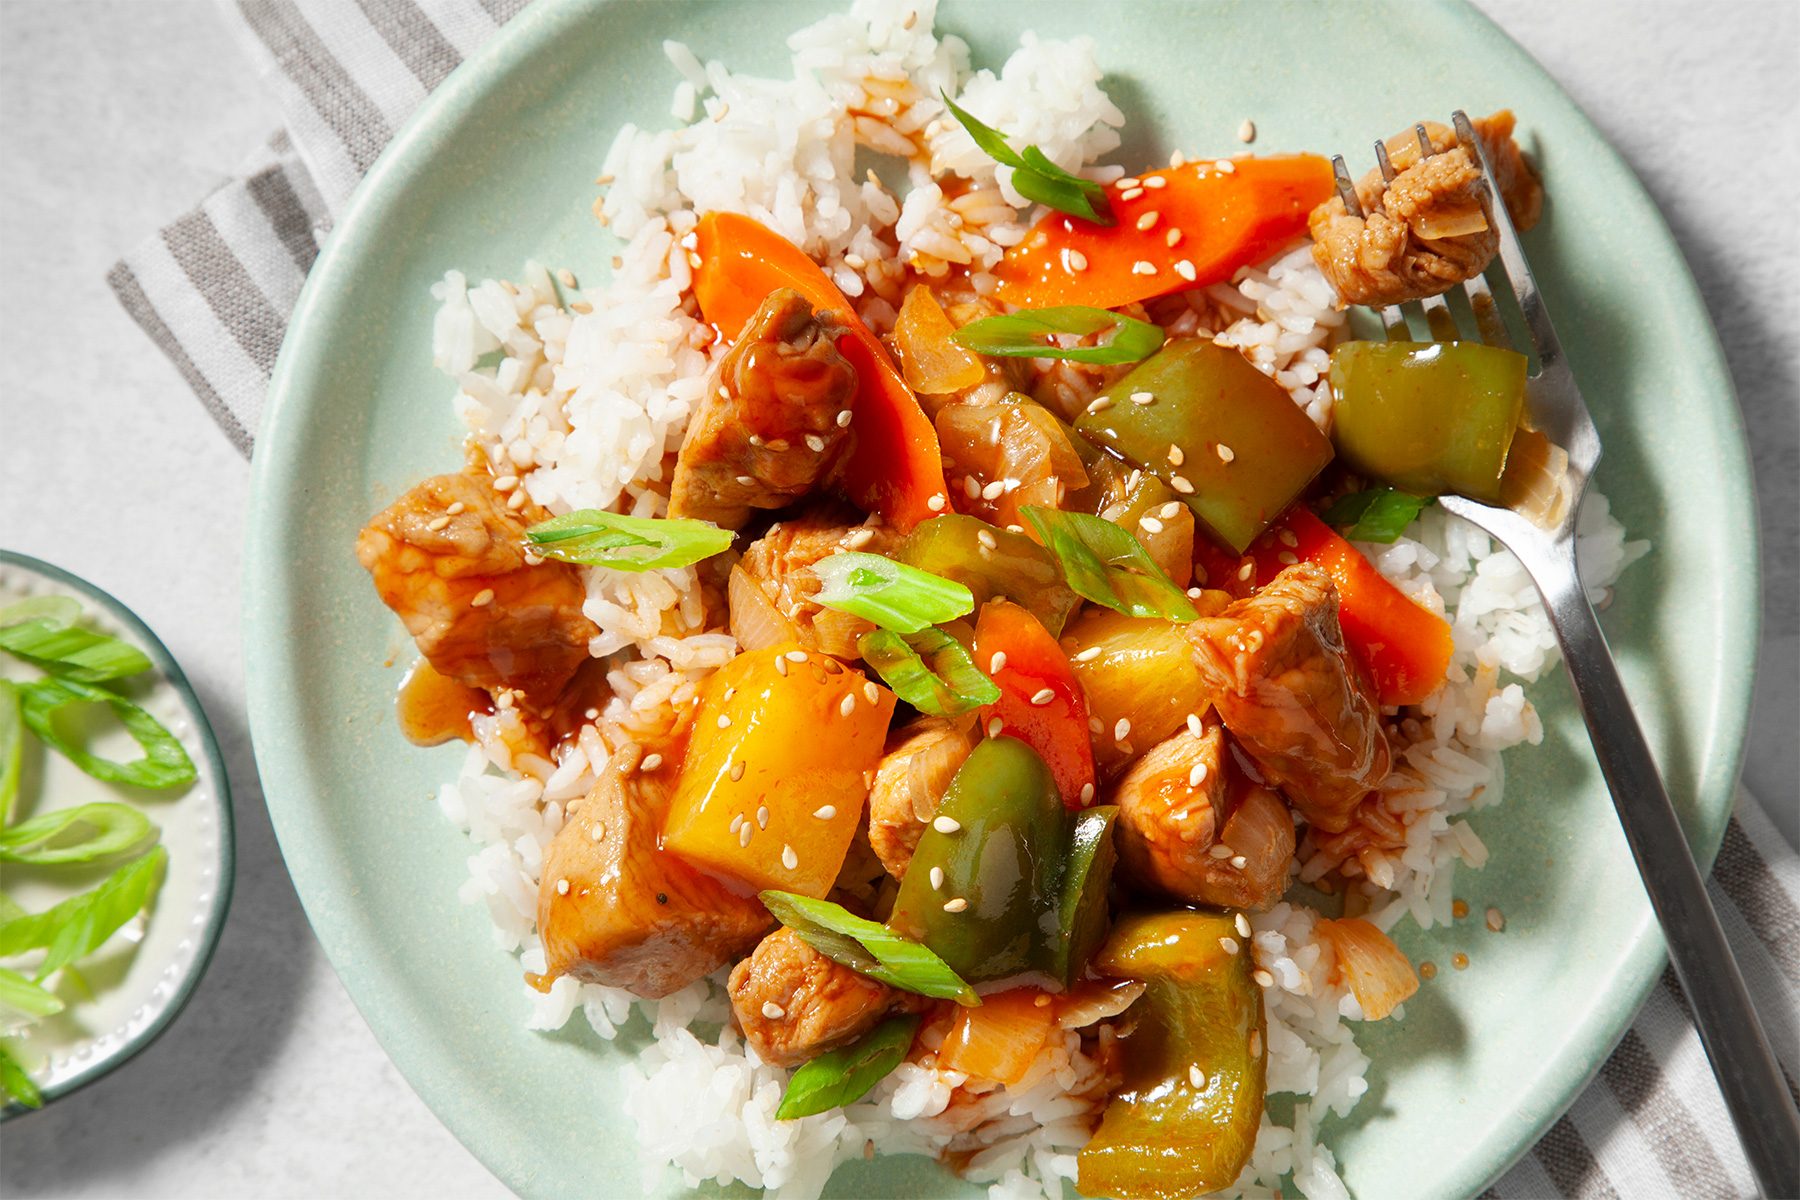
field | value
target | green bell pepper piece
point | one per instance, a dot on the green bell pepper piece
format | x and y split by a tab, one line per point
1428	417
1002	857
1082	907
1184	1119
1015	567
1228	439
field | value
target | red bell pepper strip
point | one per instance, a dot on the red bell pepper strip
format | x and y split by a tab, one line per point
1194	224
1041	702
894	468
1404	646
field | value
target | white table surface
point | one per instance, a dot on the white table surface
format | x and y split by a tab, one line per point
115	115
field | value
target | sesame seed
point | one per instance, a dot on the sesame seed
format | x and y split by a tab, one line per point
562	887
1150	524
1263	978
971	487
1194	725
1247	570
1077	260
796	656
855	262
986	539
455	508
762	816
1459	909
993	490
1287	538
1087	793
825	812
844	418
1254	640
1219	851
746	480
755	438
1185	269
1247	131
737	822
779	445
1194	593
1122	730
1100	404
937	878
1460	961
1286	558
860	538
997	663
1196	1076
1143	267
789	859
1224	166
506	483
651	762
1226	453
956	905
945	824
871	693
483	598
1088	655
1428	969
781	665
745	832
1239	861
737	770
1170	510
1229	945
1180	484
994	726
1042	697
598	831
1015	529
1143	398
1148	221
1243	925
1256	1043
1155	181
936	503
1495	921
1197	775
1177	159
815	443
1172	239
773	1011
1094	725
1176	456
847	705
724	721
437	523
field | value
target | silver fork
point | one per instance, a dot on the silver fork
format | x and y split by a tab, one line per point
1748	1075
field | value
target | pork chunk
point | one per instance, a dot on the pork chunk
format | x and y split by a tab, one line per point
1278	674
1194	827
450	560
775	420
1424	232
615	909
921	760
794	1004
779	564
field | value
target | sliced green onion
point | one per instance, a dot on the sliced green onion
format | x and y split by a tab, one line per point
77	927
891	594
866	947
14	1082
594	537
1106	564
43	841
1022	334
21	995
845	1076
9	908
60	611
164	765
71	652
12	747
929	670
1034	176
1378	514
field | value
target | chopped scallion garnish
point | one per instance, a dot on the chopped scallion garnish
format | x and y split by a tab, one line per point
867	947
929	670
1022	334
78	925
594	537
891	594
1104	563
71	652
845	1076
100	831
165	763
1379	514
1034	176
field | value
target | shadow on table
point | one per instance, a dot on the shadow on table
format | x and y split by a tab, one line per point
211	1056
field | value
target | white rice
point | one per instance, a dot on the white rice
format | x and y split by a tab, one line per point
579	394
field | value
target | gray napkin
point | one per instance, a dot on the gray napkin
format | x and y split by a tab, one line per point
214	290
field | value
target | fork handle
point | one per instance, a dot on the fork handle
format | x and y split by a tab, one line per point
1749	1076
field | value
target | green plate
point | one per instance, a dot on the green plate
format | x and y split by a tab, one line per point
499	165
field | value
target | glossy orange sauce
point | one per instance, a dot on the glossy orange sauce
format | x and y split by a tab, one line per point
434	708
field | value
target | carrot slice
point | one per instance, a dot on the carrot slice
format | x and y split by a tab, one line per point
894	467
1190	225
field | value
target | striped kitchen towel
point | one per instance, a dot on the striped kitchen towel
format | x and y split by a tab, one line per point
214	290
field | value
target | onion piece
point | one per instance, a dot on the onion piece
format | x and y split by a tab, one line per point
1451	221
930	360
755	621
1001	1039
1377	971
1536	482
1092	1001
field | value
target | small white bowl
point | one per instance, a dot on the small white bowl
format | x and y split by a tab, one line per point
138	989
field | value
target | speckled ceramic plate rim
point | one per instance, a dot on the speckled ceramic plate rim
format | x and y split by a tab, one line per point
299	822
165	664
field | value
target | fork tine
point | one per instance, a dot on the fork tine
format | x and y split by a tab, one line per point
1346	188
1489	325
1382	160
